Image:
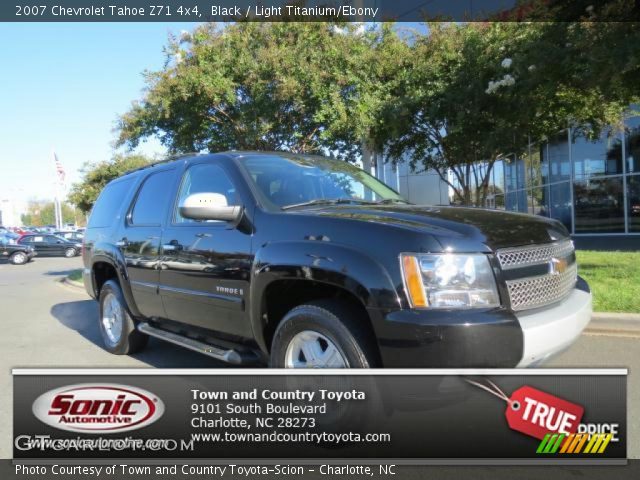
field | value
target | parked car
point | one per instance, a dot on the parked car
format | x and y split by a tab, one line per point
9	236
14	253
51	245
302	261
72	236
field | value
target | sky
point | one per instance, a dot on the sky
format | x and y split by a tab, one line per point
62	87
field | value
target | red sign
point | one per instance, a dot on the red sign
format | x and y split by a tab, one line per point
537	413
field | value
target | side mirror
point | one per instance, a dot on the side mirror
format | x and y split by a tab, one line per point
209	206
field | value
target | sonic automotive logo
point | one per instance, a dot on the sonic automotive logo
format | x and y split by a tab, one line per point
98	408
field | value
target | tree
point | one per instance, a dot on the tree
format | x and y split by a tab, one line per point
40	214
303	87
478	92
96	175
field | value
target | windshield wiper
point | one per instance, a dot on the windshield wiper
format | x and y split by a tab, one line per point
326	201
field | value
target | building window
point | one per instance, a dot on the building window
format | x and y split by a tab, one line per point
633	144
593	158
633	199
599	206
560	202
555	159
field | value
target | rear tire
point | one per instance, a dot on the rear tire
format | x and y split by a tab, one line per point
116	325
323	334
19	258
70	252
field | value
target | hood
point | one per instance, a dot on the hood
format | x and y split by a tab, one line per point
457	228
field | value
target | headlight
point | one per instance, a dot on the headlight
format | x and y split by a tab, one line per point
449	280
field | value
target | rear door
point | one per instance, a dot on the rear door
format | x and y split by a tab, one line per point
139	239
204	281
39	242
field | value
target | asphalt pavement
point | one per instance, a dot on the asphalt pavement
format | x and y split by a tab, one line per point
49	324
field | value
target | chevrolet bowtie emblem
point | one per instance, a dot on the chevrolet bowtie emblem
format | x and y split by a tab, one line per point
557	266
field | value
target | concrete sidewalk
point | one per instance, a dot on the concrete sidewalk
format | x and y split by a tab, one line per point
617	324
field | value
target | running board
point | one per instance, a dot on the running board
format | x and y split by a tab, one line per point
230	356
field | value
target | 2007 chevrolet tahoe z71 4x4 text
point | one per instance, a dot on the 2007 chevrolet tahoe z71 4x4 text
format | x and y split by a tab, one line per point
304	261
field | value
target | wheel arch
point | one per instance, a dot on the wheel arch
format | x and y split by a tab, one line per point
108	262
289	274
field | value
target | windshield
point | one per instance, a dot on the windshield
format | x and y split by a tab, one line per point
289	182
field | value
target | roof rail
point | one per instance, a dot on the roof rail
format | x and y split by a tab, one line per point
170	158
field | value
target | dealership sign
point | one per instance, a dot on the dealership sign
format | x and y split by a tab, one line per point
98	408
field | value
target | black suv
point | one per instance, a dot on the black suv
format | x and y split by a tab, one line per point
15	253
301	261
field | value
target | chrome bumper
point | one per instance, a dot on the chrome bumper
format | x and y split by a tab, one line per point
549	331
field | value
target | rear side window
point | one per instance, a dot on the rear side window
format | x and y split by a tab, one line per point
109	203
153	198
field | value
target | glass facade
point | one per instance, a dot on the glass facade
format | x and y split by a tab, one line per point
591	185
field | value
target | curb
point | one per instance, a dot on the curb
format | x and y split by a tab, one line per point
72	283
615	324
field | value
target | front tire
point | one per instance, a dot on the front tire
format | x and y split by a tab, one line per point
70	252
117	328
19	258
325	334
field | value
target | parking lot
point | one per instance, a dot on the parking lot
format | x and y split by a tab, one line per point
49	324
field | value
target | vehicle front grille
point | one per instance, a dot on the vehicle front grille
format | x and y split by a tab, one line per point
533	291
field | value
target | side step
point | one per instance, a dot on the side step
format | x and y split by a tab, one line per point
230	356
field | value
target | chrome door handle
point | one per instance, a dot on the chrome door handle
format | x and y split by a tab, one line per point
122	243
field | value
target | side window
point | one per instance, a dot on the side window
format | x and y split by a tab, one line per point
205	178
109	203
52	239
153	199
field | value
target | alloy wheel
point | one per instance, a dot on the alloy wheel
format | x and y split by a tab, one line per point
309	349
112	318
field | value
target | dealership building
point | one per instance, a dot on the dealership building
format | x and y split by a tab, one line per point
591	186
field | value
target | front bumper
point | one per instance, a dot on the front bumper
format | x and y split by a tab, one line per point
495	338
552	330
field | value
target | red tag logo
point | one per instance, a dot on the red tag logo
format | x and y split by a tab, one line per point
537	413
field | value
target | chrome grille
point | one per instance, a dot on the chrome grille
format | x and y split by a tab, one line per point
521	257
538	291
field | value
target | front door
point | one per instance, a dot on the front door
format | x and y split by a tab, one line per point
139	240
204	278
55	245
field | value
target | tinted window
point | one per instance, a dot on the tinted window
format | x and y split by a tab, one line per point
108	204
152	200
205	178
288	181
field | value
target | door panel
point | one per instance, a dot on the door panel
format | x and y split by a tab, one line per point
204	277
55	246
205	265
140	247
139	240
41	245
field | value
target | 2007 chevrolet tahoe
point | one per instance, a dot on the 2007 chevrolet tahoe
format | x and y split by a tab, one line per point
306	262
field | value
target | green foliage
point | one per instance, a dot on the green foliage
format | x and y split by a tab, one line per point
458	95
303	87
481	91
96	175
40	214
